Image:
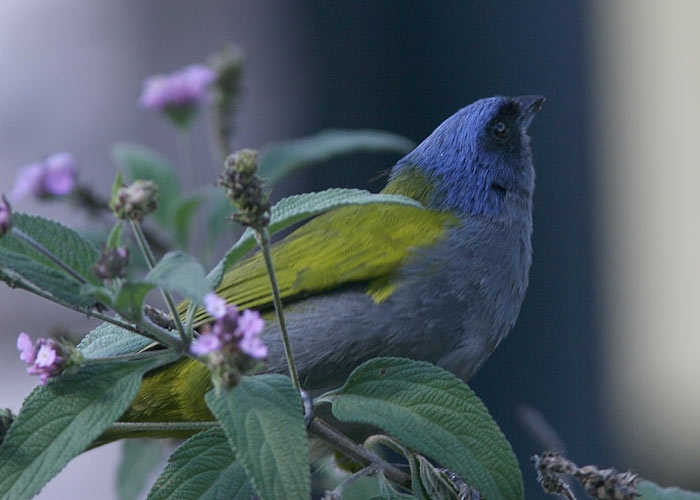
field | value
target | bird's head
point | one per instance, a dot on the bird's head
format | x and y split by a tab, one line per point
477	159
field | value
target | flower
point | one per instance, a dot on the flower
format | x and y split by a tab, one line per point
251	325
215	305
245	189
5	216
26	348
47	357
205	344
136	201
112	264
232	344
53	176
178	94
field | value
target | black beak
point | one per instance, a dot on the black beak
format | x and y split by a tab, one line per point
529	105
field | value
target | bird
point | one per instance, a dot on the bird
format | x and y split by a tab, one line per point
442	284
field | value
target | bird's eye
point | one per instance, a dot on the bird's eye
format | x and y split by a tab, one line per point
499	130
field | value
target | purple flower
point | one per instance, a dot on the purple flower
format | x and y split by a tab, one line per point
250	326
5	216
231	335
215	305
250	323
55	175
26	348
178	94
45	357
205	344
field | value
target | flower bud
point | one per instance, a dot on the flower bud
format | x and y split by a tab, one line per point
136	201
5	216
113	263
244	189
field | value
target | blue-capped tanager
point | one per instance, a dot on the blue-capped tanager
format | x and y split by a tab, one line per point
442	284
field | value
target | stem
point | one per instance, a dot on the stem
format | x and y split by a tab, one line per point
263	237
127	357
186	153
46	252
356	452
151	261
146	330
162	426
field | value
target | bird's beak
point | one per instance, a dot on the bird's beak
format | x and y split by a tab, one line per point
529	105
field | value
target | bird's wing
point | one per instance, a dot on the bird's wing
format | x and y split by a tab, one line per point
359	243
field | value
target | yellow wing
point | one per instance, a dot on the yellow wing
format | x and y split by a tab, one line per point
359	243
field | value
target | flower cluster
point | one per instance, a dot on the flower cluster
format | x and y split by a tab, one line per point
232	342
178	94
136	201
46	358
245	189
112	264
53	176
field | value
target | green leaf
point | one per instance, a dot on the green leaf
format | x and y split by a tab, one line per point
280	159
296	208
60	420
140	459
434	482
110	340
143	163
118	183
220	209
388	492
19	259
116	239
651	491
130	298
184	210
203	468
263	420
401	395
180	273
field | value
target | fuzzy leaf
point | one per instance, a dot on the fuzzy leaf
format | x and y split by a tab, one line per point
203	468
116	235
110	340
297	208
129	299
184	210
143	163
19	259
140	459
60	420
401	395
652	491
180	273
263	420
280	159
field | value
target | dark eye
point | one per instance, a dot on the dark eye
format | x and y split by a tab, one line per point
499	130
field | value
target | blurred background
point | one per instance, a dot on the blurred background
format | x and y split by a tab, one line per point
607	347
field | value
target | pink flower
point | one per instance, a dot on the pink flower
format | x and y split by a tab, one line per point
53	176
178	94
205	344
26	348
250	323
215	305
45	357
231	332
